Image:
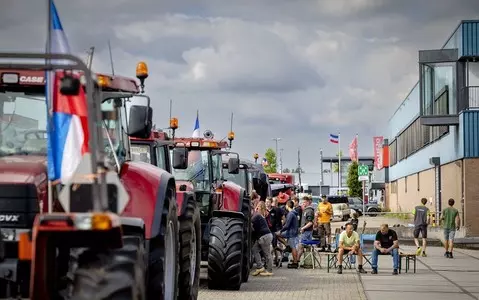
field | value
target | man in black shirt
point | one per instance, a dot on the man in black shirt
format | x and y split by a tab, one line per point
307	222
386	243
273	217
298	209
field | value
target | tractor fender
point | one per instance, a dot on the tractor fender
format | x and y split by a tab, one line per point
228	214
233	195
147	187
182	201
132	226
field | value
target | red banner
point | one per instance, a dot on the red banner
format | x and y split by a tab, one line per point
353	149
378	153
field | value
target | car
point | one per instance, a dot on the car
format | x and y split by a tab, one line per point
356	203
341	208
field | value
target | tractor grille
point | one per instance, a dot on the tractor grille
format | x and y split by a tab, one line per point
18	205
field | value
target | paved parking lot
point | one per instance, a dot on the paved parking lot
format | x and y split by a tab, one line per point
292	284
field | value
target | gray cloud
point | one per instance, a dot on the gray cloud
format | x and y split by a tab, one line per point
295	69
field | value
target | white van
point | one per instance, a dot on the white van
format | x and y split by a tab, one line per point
341	208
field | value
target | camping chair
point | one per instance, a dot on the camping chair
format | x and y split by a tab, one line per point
367	246
333	256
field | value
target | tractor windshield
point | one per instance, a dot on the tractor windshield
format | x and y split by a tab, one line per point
23	124
197	171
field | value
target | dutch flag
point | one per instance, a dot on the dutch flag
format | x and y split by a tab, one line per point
333	138
67	126
195	156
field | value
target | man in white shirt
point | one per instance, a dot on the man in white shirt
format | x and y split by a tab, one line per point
349	244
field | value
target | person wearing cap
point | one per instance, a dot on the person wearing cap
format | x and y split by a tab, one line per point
324	215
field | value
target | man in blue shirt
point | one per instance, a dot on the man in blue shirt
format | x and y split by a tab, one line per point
290	232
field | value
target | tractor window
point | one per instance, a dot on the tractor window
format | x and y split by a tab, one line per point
160	158
217	167
197	171
111	133
140	153
240	179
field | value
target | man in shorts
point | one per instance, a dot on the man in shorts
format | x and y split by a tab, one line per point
349	245
290	232
324	214
421	220
450	222
307	222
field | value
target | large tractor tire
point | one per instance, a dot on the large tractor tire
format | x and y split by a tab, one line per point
190	258
163	259
111	275
225	253
247	250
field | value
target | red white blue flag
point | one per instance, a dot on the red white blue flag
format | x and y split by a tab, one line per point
333	138
67	126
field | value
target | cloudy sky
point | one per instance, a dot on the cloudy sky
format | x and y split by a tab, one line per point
294	69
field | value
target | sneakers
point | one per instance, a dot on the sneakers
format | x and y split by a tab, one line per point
448	255
424	254
395	272
293	265
340	270
418	251
257	272
266	273
374	271
362	271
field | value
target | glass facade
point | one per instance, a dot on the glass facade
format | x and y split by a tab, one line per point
439	89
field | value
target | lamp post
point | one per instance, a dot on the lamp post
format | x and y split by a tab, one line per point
276	140
281	161
256	156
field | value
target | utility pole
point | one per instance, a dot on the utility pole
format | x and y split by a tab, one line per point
276	140
89	59
281	161
299	169
320	171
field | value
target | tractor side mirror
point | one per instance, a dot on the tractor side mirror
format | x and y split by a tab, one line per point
180	158
140	121
69	85
233	165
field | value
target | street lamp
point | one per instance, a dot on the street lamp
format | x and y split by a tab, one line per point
256	156
276	140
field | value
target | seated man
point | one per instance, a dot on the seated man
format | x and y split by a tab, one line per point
349	244
386	243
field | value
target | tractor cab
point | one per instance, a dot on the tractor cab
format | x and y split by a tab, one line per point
251	177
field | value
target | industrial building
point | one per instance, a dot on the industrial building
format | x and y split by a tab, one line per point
432	146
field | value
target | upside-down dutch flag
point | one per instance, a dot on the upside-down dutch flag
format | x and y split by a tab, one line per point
264	162
67	125
194	157
333	138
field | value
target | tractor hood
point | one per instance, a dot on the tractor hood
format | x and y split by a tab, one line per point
188	184
23	169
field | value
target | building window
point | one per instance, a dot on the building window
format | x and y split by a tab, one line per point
418	188
394	187
393	153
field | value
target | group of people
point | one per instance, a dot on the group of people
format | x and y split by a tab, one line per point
289	225
293	224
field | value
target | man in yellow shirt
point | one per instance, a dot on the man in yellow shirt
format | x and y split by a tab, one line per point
349	244
324	215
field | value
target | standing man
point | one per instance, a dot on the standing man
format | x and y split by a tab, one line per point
298	209
274	217
451	223
324	215
421	220
290	232
386	243
307	222
263	238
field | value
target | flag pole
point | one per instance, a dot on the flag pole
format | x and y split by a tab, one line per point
49	50
339	163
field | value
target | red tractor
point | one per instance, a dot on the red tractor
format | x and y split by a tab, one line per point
109	232
155	150
225	210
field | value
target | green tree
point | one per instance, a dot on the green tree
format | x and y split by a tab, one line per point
270	156
354	185
336	165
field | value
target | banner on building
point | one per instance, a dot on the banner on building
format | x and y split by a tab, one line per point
378	155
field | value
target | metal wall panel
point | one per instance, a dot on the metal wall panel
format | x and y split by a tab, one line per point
471	133
470	39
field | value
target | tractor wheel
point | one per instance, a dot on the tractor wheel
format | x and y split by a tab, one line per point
163	259
247	254
190	258
111	275
225	253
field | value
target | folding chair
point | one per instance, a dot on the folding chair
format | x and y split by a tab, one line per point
333	256
367	247
310	252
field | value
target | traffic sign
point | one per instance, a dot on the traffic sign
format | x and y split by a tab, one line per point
363	173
